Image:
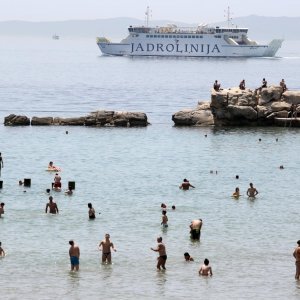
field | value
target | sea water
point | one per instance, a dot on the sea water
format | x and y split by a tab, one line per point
126	173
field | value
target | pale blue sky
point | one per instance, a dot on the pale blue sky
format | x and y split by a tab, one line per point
177	10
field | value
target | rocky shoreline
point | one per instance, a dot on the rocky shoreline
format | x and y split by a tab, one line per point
101	118
236	107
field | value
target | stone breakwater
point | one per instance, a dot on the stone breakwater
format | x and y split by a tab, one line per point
235	107
96	119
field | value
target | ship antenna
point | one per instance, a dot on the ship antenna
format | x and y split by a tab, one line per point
228	16
147	13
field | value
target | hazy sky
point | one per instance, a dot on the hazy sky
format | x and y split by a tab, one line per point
177	10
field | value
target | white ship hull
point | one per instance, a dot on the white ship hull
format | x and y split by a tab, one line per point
188	42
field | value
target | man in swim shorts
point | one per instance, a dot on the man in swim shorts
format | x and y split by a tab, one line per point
74	253
161	249
105	246
195	227
57	181
53	209
185	185
296	254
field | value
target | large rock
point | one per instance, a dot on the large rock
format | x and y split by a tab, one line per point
14	120
99	118
292	97
41	121
242	112
271	93
201	116
134	118
281	105
69	121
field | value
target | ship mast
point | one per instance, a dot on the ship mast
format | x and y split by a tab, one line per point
147	13
228	16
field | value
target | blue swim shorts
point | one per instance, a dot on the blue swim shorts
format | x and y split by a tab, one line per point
74	260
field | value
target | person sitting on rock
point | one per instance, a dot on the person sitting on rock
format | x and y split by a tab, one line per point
217	86
242	85
264	84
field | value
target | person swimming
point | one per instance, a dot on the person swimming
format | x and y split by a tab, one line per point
236	194
206	269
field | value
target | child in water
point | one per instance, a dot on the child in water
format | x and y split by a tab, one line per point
206	269
236	194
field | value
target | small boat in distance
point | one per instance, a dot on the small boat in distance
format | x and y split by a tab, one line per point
200	41
55	37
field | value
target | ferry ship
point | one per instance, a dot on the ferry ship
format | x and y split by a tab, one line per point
200	41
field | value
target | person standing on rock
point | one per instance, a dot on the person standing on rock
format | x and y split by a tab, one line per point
1	163
296	254
217	86
283	85
242	85
252	191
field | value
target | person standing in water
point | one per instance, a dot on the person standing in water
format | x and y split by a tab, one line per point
1	163
92	214
206	269
236	193
296	254
2	252
252	192
195	227
162	258
74	253
164	219
185	185
105	245
53	209
2	208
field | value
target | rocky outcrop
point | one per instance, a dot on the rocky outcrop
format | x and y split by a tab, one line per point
96	119
41	121
201	116
14	120
235	107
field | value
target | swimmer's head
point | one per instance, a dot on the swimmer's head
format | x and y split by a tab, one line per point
20	182
2	204
237	177
107	236
89	205
50	163
163	205
71	242
251	184
51	198
298	243
185	180
206	261
186	256
173	207
164	212
48	191
159	239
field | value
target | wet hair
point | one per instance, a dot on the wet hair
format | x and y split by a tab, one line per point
71	242
251	184
186	254
51	163
173	206
185	180
237	189
2	203
237	176
206	261
50	198
48	190
89	205
164	212
163	205
298	242
159	238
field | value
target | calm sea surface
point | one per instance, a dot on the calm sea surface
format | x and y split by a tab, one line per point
128	173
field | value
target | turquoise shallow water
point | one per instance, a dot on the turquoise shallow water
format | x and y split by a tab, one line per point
127	173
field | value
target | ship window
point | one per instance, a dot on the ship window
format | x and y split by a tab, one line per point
174	36
155	36
185	36
162	36
193	36
189	36
147	35
151	36
170	36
